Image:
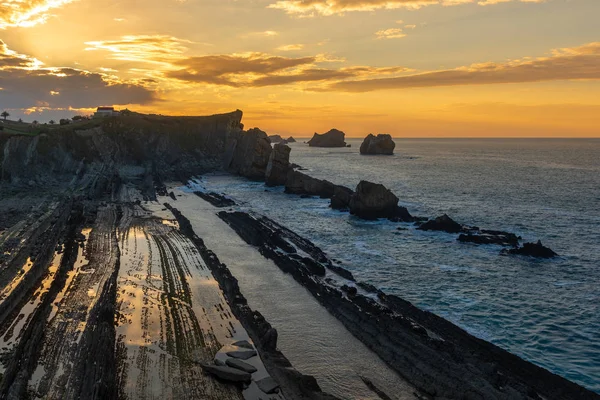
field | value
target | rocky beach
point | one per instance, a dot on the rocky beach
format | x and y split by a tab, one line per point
109	245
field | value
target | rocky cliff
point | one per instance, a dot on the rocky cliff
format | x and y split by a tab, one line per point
333	138
135	147
380	144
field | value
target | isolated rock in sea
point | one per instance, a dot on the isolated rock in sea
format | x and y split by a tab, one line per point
291	140
333	138
341	197
227	373
532	250
372	201
247	153
299	183
275	138
268	385
278	166
380	144
485	236
242	354
442	223
241	365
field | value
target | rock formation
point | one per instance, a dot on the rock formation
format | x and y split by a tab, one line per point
291	140
442	223
278	166
532	250
372	201
299	183
275	138
380	144
333	138
341	197
247	153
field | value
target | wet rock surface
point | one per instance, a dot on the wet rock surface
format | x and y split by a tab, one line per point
373	200
380	144
216	199
439	358
442	223
332	138
532	250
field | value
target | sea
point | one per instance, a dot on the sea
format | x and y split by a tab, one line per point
545	311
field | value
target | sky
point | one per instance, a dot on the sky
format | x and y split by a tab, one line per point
410	68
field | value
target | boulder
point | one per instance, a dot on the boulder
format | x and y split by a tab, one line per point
372	201
242	354
227	373
299	183
241	365
275	138
278	166
243	343
442	223
380	144
291	140
268	385
489	237
248	153
333	138
341	197
532	250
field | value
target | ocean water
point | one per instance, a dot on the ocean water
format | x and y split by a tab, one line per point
546	311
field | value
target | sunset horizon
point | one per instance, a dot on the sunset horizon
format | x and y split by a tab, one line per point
410	68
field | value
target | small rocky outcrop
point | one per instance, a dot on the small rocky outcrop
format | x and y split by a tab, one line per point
333	138
380	144
278	166
291	140
248	153
485	236
299	183
532	250
442	223
341	197
275	138
372	201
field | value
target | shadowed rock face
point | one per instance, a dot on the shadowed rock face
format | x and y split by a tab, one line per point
532	250
275	138
442	223
380	144
373	200
247	153
290	140
299	183
333	138
132	147
341	198
278	166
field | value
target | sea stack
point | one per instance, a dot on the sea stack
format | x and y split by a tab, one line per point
333	138
278	166
275	138
372	201
380	144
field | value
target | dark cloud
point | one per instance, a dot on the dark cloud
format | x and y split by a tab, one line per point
565	64
25	84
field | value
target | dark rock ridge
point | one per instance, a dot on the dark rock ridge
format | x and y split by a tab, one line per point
486	236
278	165
333	138
294	384
373	200
380	144
216	199
290	140
532	250
440	359
299	183
340	200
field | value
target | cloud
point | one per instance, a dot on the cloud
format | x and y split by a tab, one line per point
27	13
310	8
392	33
291	47
259	70
156	49
577	63
26	83
261	34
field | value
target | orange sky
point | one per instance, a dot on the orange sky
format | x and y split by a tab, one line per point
415	68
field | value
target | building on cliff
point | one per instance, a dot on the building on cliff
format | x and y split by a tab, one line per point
102	112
